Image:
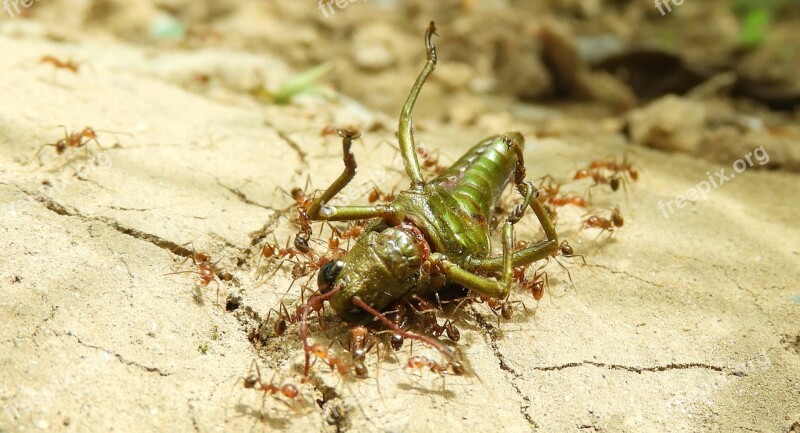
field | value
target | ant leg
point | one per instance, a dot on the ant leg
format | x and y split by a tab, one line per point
182	272
36	155
216	283
405	129
319	209
194	253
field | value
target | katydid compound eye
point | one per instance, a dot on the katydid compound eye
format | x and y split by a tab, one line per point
327	275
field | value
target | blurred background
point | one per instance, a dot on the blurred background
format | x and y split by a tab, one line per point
732	64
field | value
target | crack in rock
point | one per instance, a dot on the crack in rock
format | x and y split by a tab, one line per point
293	144
118	356
64	210
657	368
49	317
626	273
333	410
242	197
507	368
193	415
491	333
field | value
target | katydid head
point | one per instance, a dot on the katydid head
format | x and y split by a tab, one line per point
380	268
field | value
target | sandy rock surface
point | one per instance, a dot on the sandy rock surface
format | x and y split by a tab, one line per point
683	322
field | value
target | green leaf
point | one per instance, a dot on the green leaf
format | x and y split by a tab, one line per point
302	83
754	27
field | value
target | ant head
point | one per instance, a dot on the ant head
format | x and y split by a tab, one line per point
506	311
361	370
301	243
614	183
202	257
250	381
616	217
538	290
297	193
280	327
61	146
566	249
396	341
453	333
319	350
374	195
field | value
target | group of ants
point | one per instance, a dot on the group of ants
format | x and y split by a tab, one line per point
416	312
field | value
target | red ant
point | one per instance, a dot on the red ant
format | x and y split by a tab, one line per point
270	251
501	308
620	172
430	161
284	318
321	352
358	346
376	194
605	224
537	284
70	65
207	270
287	390
398	316
448	328
565	200
599	178
75	139
420	362
429	323
548	194
624	167
352	233
564	250
334	251
302	202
